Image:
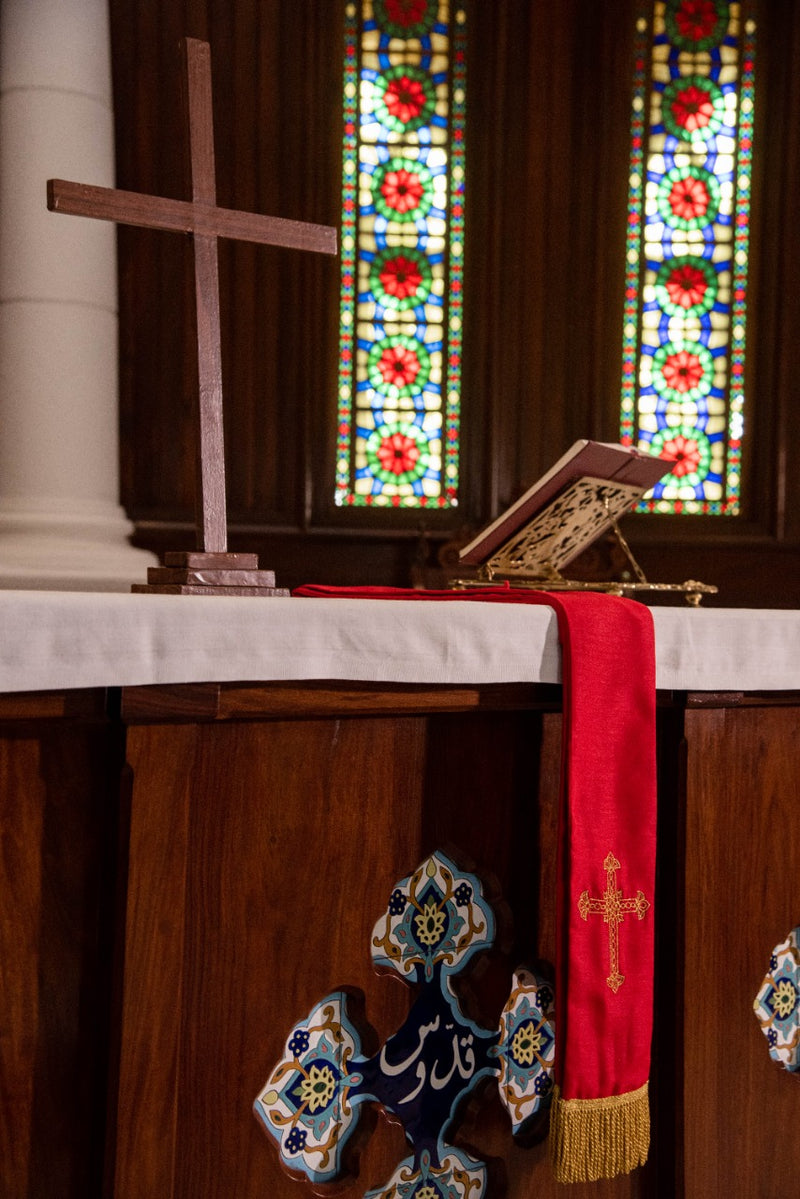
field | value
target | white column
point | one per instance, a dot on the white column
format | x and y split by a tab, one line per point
61	524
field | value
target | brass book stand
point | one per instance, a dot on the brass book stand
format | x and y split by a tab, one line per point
579	500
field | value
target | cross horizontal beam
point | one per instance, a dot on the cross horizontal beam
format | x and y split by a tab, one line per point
184	216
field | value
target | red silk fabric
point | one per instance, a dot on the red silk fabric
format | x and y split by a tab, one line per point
608	813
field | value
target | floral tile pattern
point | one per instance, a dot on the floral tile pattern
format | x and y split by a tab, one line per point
527	1048
308	1101
777	1005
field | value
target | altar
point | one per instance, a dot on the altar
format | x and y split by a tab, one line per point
205	804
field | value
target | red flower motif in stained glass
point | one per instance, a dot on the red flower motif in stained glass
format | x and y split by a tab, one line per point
400	277
682	371
689	198
398	453
405	98
696	19
684	453
406	12
686	285
692	108
402	190
399	366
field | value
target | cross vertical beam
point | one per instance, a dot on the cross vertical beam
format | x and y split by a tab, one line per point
211	506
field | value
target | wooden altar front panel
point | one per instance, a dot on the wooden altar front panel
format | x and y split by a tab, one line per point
268	827
266	824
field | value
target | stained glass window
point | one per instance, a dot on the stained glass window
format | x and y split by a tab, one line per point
687	251
401	254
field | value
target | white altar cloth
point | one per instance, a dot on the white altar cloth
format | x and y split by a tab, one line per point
53	640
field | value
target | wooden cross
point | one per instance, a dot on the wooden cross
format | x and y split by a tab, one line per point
613	908
212	569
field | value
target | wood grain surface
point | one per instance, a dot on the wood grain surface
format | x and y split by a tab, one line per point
254	833
742	898
58	785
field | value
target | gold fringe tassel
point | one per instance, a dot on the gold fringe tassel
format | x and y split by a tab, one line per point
599	1138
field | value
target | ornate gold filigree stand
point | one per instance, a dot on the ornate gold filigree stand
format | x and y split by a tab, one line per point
551	579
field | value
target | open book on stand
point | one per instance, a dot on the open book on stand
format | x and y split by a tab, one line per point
577	501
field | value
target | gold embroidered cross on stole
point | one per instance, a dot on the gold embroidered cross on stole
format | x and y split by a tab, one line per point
613	908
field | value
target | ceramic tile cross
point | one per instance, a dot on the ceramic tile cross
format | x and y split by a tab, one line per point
435	922
777	1004
206	222
613	908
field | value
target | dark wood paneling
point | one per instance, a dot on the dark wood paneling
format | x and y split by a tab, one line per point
263	841
742	859
57	853
259	863
277	89
243	701
548	146
53	705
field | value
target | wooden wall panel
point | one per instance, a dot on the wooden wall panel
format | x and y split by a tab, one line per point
150	1032
277	93
56	888
548	142
742	863
265	902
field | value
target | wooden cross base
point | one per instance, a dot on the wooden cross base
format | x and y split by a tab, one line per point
201	573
